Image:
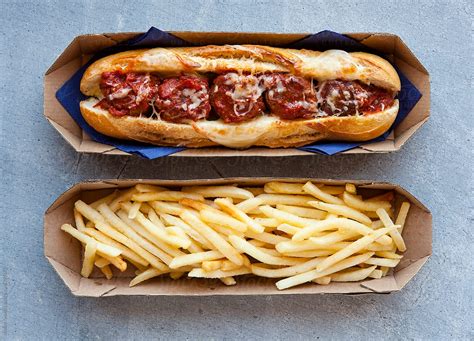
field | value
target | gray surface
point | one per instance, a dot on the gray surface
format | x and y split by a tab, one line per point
37	165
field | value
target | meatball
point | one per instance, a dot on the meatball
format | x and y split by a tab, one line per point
346	98
237	97
127	93
183	98
289	97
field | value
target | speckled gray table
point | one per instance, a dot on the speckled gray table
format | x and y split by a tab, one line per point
37	165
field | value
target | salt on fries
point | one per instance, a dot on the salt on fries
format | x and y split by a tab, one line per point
297	232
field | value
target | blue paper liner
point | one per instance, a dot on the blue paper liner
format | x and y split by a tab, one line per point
70	96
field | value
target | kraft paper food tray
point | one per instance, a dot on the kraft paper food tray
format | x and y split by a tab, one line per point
64	252
83	46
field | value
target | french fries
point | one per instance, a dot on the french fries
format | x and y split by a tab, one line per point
298	232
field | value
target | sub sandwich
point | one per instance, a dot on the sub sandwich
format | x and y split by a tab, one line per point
240	96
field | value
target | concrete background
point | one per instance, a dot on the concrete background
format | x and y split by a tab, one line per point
37	165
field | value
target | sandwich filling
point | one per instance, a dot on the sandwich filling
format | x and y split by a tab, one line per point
237	97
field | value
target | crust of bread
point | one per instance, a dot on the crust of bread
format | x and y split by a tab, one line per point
331	64
268	131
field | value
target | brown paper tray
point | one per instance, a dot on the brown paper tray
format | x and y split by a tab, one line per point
64	252
82	47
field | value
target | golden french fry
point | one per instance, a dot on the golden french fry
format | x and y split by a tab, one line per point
313	274
286	272
132	213
285	199
285	217
353	275
79	220
312	244
288	229
228	280
225	231
354	247
267	222
377	224
89	257
122	197
155	219
83	238
144	188
100	262
321	195
270	251
197	205
389	263
388	254
107	271
211	265
323	280
402	215
376	274
266	237
254	190
257	253
249	204
332	224
332	238
172	220
387	196
379	247
115	261
333	190
146	275
283	188
219	192
311	253
166	196
176	274
88	212
195	258
198	272
303	212
351	188
371	206
227	265
342	210
385	270
394	233
145	208
167	207
178	232
231	209
214	238
222	219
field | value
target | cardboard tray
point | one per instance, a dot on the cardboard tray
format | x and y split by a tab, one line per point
83	47
64	252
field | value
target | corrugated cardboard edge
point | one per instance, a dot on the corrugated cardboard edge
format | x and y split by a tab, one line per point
89	43
97	287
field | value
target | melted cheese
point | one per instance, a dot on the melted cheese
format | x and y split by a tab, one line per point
246	89
122	93
240	135
332	64
196	97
